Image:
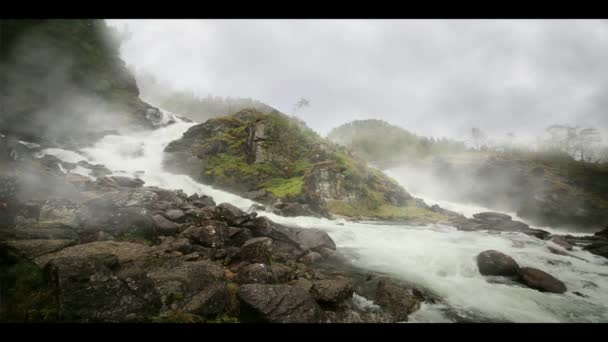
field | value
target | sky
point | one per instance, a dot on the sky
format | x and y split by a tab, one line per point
433	77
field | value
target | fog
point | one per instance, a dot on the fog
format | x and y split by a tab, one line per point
432	77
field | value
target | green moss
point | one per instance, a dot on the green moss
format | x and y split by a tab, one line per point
281	187
385	211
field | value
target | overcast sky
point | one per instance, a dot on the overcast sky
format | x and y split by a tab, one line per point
432	77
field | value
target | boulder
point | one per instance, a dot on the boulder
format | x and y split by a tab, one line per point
210	301
35	248
396	299
256	274
278	304
494	263
561	242
256	250
164	226
332	291
213	234
204	201
127	182
232	214
315	239
175	215
541	280
238	236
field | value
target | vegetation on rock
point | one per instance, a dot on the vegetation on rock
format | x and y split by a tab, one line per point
281	156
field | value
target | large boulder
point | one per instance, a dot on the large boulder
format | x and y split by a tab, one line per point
541	280
256	250
164	226
494	263
232	214
256	274
315	239
396	299
332	290
278	304
561	242
213	234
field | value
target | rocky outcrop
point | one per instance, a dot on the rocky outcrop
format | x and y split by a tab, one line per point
495	222
278	161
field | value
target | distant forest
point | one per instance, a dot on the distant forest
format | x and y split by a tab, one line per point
382	143
191	105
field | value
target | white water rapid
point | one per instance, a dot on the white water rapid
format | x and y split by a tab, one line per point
436	257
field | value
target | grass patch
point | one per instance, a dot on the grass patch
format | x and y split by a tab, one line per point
385	211
281	187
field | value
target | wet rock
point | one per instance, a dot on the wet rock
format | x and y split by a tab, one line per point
35	248
494	263
540	280
278	304
311	258
175	215
238	236
315	239
164	226
87	288
213	234
332	291
561	242
256	274
598	248
40	231
493	216
257	208
127	182
232	214
295	209
256	250
210	301
204	201
180	244
397	300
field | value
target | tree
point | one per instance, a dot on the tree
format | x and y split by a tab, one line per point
301	104
478	138
580	143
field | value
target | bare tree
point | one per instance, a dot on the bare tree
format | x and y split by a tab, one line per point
301	104
478	138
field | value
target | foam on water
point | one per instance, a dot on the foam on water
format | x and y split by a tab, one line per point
436	257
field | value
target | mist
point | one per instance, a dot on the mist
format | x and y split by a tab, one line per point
433	77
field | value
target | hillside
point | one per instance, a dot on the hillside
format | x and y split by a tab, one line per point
279	161
85	91
386	145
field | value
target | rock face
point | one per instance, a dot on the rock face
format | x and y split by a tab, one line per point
541	280
494	263
279	304
280	162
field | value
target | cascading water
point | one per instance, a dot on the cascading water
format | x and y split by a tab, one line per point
436	257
